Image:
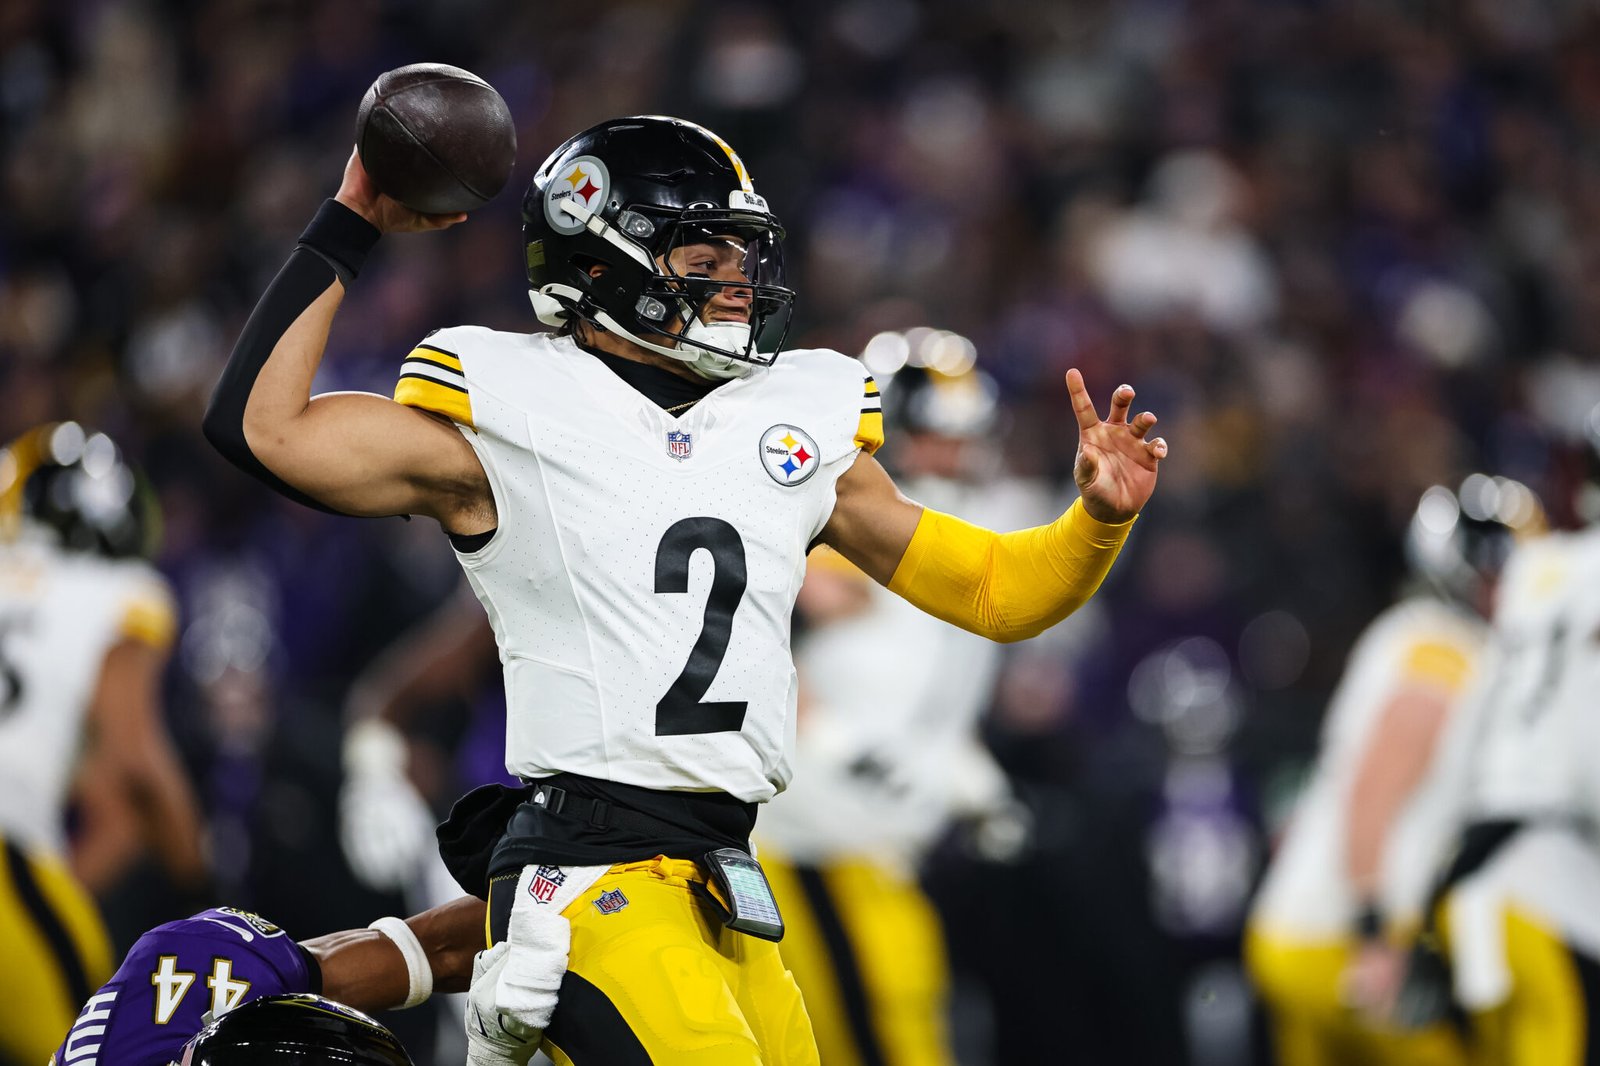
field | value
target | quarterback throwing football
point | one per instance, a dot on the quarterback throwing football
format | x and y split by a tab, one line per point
632	497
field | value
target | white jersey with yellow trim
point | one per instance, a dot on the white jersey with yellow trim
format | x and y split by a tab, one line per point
1533	757
60	613
1307	892
644	570
1534	761
888	748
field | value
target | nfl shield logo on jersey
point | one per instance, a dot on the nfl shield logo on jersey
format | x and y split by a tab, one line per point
680	445
611	902
546	879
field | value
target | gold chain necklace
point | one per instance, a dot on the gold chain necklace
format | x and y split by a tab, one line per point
681	406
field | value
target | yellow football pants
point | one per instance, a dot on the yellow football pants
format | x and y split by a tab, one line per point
1545	1021
56	953
1300	982
658	980
868	952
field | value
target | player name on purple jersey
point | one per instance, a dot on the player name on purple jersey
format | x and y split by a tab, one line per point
175	974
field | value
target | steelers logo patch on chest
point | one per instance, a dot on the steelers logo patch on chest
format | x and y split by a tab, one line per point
789	454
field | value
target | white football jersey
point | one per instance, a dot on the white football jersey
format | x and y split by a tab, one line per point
644	570
60	612
888	748
1535	757
1307	891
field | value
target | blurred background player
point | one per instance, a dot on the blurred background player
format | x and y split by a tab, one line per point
1517	905
888	753
85	630
425	723
180	975
1346	888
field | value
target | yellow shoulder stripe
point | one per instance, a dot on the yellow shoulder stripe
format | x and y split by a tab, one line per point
435	355
869	432
1438	662
872	387
451	401
151	619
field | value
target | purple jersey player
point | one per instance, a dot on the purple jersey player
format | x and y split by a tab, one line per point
175	974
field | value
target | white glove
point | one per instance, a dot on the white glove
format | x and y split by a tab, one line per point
385	826
493	1038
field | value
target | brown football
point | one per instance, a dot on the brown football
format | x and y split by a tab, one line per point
437	138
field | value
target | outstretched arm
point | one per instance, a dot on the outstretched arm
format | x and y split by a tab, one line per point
368	970
1005	586
354	453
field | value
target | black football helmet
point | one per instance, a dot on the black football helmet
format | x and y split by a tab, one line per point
75	483
1587	502
297	1030
1458	540
625	194
920	399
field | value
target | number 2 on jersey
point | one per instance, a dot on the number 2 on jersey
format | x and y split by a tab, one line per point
683	710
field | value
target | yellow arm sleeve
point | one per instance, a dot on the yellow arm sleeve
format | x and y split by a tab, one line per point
1006	586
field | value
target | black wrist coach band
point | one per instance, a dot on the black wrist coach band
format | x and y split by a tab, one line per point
1369	922
342	237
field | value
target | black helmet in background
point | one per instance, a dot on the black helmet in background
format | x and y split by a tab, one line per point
297	1030
76	484
1459	539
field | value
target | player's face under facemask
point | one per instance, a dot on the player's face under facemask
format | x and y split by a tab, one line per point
715	288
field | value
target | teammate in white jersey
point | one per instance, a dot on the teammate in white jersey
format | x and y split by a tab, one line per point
85	630
632	499
1347	886
888	753
1518	910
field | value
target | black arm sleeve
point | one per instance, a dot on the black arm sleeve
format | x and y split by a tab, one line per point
334	245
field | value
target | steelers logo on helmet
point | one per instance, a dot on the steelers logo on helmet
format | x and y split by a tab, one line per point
789	454
584	183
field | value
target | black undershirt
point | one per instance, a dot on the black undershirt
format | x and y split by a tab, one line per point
657	384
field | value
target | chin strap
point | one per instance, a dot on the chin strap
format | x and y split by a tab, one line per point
707	364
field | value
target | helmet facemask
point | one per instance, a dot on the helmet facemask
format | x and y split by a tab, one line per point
672	265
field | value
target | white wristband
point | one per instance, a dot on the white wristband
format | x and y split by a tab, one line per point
419	972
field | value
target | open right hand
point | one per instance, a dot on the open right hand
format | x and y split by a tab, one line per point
360	194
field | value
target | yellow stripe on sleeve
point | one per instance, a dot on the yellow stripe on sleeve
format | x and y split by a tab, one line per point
869	433
150	618
435	355
454	403
872	387
1437	662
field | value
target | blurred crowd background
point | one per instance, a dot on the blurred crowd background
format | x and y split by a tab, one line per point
1345	248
